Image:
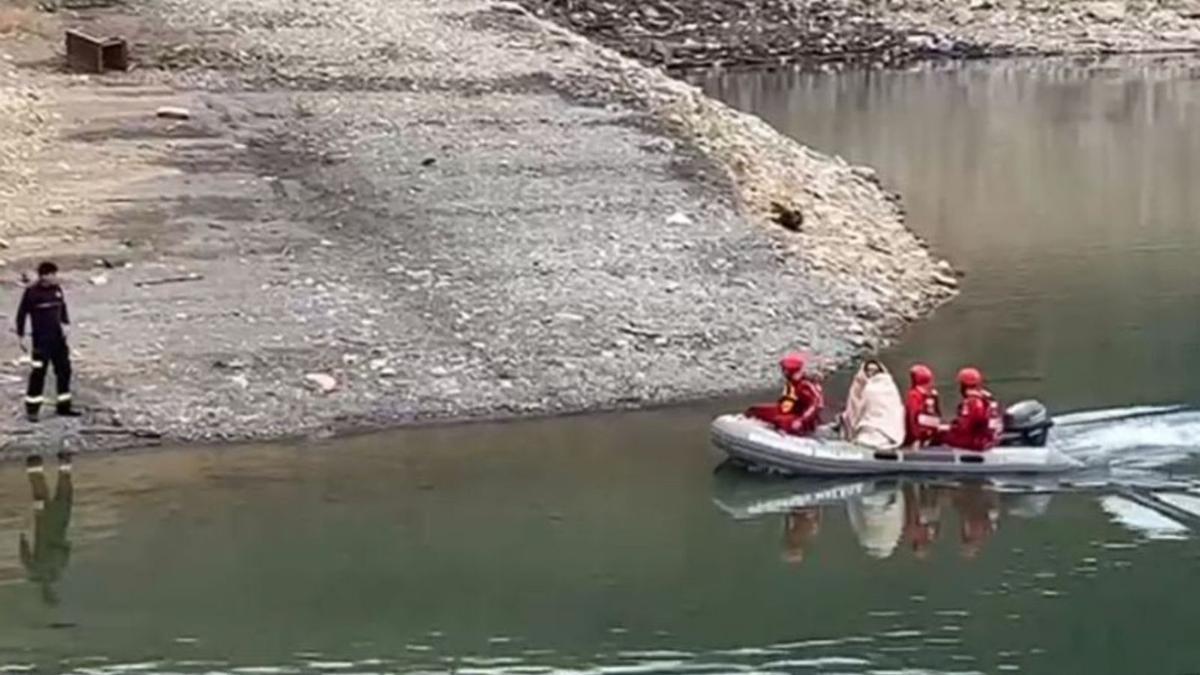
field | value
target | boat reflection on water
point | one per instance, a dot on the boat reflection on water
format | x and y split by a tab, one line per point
887	516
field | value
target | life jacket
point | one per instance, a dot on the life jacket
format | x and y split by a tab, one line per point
923	414
966	435
801	402
789	398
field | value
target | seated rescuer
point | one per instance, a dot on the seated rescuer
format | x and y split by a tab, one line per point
979	422
922	409
798	410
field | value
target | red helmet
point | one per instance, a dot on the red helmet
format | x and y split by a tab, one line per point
921	374
792	363
970	377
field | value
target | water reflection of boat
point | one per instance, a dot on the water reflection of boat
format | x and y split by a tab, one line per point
883	514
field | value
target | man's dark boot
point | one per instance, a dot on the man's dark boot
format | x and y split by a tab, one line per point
31	412
33	463
65	410
64	460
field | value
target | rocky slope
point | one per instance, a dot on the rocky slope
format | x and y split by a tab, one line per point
771	33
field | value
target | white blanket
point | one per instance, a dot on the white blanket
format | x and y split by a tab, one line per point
874	414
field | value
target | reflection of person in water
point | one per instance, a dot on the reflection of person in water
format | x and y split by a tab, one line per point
877	519
800	526
979	515
922	517
46	558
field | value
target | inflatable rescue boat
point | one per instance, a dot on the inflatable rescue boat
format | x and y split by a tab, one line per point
1023	450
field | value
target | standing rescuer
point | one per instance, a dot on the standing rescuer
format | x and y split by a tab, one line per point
45	306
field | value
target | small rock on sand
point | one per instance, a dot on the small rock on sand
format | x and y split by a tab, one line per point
173	113
322	382
1106	12
679	218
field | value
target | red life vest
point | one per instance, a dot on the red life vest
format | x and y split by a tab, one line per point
800	406
979	424
923	415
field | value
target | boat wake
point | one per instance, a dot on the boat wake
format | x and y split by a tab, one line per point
1133	440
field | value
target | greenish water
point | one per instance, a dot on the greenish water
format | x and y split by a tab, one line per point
1065	191
608	544
603	544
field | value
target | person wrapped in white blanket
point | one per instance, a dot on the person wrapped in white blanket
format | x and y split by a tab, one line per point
874	413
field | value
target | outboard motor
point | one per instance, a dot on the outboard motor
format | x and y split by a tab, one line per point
1026	423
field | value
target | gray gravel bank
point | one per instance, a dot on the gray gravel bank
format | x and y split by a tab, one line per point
387	211
825	33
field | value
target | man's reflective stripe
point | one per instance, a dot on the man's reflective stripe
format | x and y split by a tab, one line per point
928	420
35	399
37	364
63	398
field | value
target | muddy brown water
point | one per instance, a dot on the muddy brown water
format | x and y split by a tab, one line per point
609	544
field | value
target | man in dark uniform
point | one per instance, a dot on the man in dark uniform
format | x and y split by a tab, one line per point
43	303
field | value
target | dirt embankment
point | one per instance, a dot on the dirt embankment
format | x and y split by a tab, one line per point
772	33
386	211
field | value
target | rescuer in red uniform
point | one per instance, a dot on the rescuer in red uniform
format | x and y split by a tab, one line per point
798	410
979	422
922	409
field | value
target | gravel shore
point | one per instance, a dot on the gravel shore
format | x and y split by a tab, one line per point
833	33
387	211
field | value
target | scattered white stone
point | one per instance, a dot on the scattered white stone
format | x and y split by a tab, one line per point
56	209
173	113
679	218
1106	12
322	382
99	280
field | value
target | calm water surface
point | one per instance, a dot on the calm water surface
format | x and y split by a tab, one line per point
1065	190
608	544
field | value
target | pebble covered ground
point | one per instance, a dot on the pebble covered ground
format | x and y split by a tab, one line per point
387	211
835	33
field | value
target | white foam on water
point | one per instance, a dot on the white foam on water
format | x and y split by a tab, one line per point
1183	502
818	662
644	667
802	644
656	654
1129	440
748	651
913	671
489	660
1111	414
1143	520
902	633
